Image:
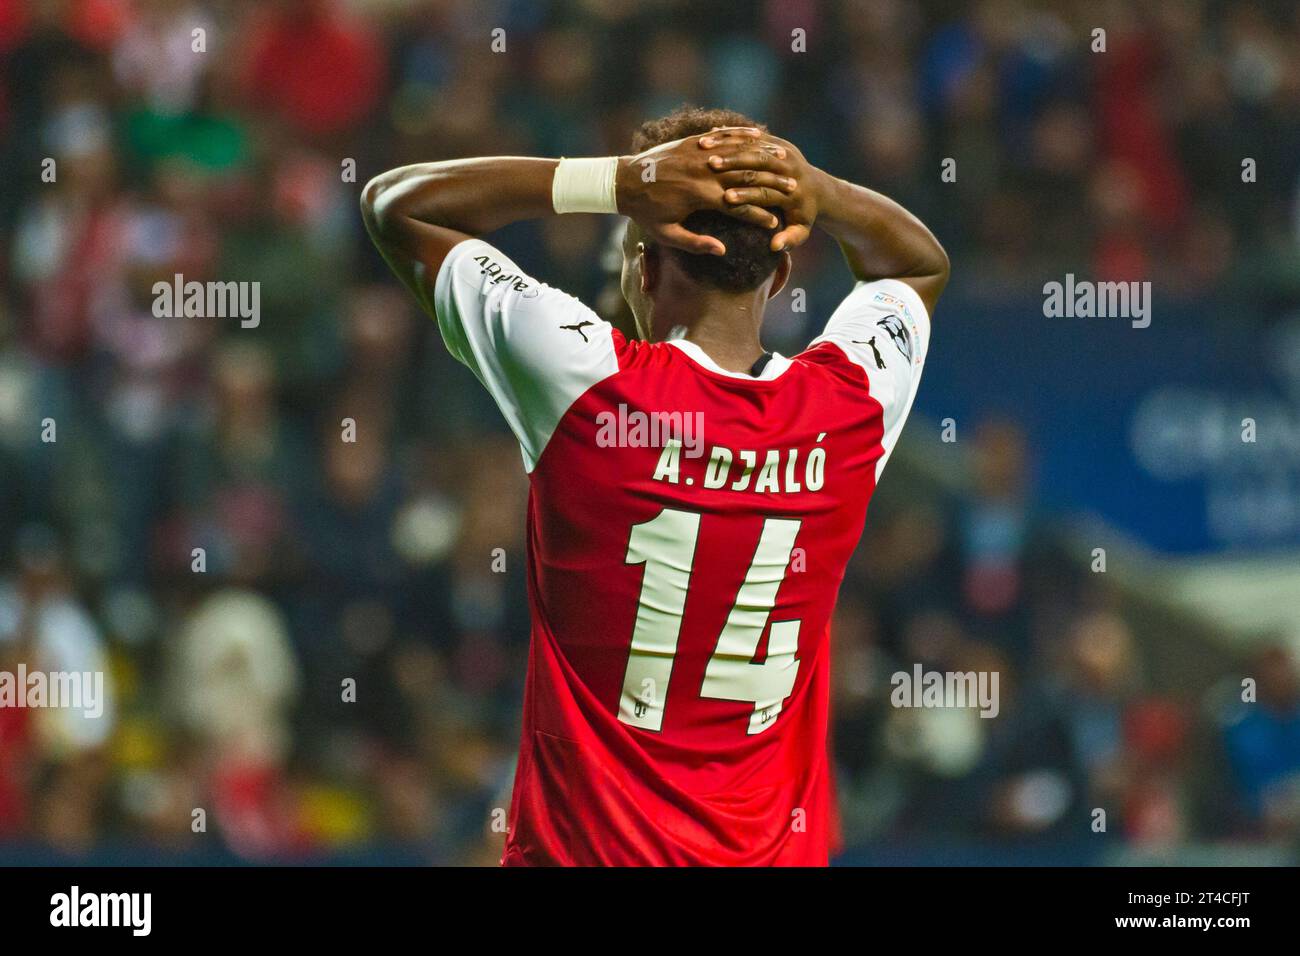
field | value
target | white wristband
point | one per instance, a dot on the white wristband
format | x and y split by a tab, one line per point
585	185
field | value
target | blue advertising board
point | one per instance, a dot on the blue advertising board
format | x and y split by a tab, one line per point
1184	434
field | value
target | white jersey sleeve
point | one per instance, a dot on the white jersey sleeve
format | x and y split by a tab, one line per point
883	326
536	349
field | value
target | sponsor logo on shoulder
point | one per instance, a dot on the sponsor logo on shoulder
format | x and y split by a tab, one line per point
898	334
901	326
492	269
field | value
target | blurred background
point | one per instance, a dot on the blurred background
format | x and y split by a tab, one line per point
1121	669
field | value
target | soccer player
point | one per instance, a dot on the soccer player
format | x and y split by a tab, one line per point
694	499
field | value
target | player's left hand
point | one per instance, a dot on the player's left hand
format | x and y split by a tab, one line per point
662	186
747	165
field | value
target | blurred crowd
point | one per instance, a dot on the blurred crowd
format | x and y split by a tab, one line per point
296	549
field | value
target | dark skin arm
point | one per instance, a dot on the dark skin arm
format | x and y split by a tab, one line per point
879	238
416	214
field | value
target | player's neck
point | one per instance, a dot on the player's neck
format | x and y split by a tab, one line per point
726	327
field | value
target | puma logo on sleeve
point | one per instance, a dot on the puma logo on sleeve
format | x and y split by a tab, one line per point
880	362
578	327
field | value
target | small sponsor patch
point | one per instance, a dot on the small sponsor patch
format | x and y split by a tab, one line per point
901	326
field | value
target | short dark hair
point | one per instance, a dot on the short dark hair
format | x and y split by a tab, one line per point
749	259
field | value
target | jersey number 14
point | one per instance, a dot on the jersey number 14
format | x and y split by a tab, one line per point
666	546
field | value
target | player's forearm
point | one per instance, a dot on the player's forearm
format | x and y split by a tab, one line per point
473	196
880	239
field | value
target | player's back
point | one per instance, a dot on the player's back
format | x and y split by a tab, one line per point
688	531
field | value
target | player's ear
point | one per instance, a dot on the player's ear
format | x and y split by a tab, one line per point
781	276
648	260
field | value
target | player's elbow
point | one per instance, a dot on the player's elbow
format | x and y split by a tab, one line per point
934	259
931	273
374	208
386	205
937	270
945	264
942	265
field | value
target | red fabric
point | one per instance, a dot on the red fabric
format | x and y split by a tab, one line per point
15	743
1156	731
255	809
1133	131
63	303
97	23
13	23
702	790
320	72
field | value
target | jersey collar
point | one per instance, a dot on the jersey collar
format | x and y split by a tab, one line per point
778	363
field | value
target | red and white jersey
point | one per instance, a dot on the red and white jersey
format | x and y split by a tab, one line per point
688	530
